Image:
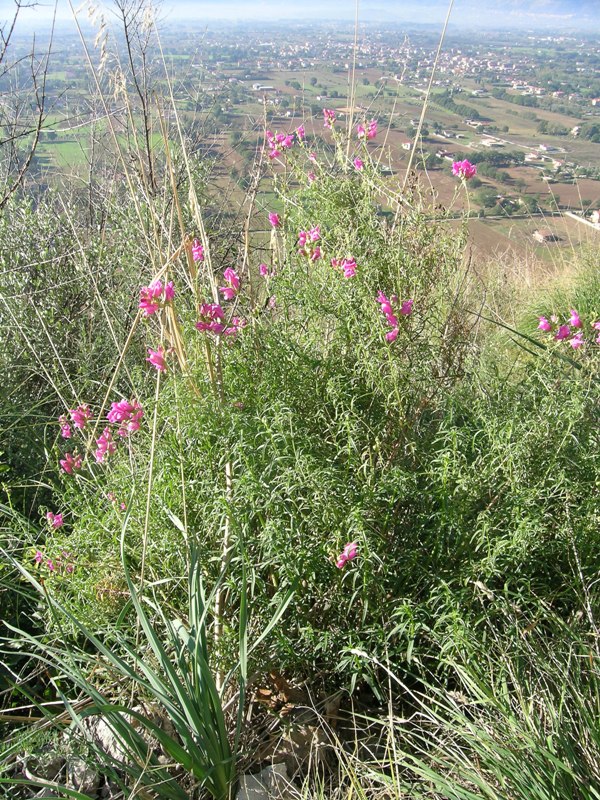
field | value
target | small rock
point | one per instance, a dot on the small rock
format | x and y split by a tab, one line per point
271	783
81	776
46	764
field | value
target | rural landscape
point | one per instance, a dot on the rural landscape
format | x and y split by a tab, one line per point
300	399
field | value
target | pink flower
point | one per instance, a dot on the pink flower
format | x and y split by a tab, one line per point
577	341
306	240
70	462
367	133
311	177
50	565
563	332
351	550
197	251
277	141
464	169
358	164
233	284
38	558
80	416
126	415
388	312
211	316
105	444
349	553
545	325
272	301
329	117
157	359
574	320
263	270
300	132
596	325
169	292
347	266
55	520
236	324
65	428
274	219
150	297
312	157
154	296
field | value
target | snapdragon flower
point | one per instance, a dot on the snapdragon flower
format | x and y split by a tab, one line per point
80	416
157	359
126	415
55	520
153	297
329	118
464	169
211	318
70	462
232	279
105	445
349	553
197	251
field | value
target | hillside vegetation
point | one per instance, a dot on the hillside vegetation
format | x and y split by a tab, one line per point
303	484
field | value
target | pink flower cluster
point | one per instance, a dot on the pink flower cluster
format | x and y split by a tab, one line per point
211	320
370	132
155	296
70	462
279	142
464	169
63	564
79	418
349	553
126	415
358	164
55	520
211	316
329	118
105	445
157	358
571	331
388	312
197	251
346	265
307	243
274	219
232	279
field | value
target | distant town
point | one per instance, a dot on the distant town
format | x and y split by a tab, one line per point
524	107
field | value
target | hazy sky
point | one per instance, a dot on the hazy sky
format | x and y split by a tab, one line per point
470	14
